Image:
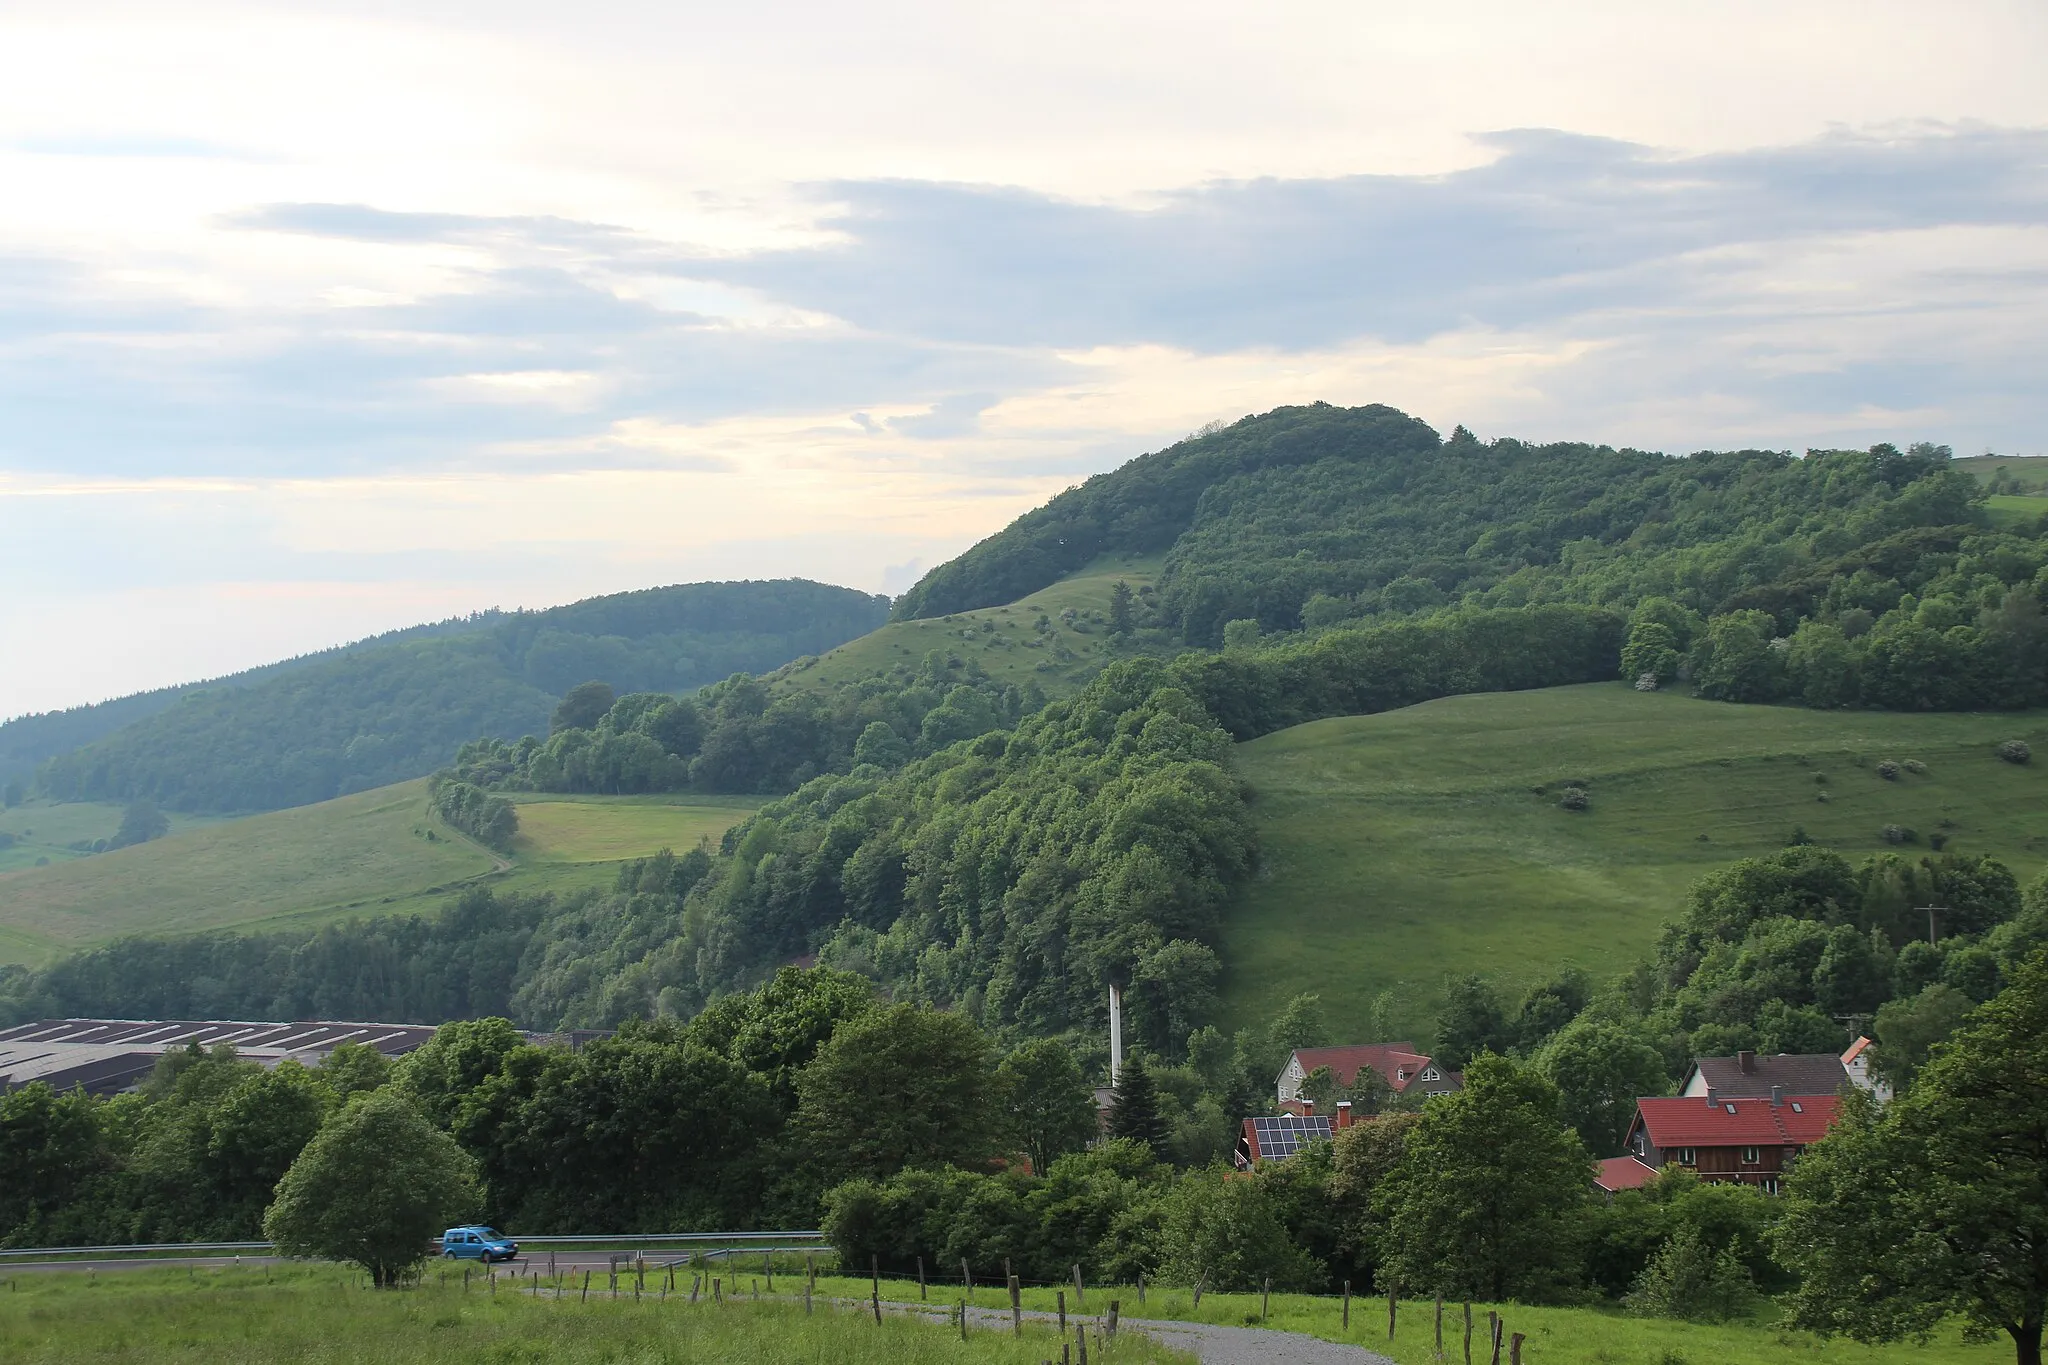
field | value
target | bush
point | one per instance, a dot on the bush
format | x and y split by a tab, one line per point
1888	770
1574	798
1647	683
1898	834
2015	751
1687	1280
1914	766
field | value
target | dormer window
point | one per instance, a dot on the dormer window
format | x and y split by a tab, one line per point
1432	1075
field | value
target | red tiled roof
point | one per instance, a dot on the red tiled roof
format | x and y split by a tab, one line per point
1389	1059
1623	1173
1689	1121
1856	1049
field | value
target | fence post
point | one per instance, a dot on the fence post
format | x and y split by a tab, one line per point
465	1279
718	1289
1468	1332
876	1301
1141	1289
1063	1312
967	1279
1017	1305
875	1274
1393	1303
1347	1305
1439	1327
1081	1342
1115	1307
1494	1324
1200	1280
1515	1349
586	1287
696	1281
1265	1296
768	1270
963	1319
1080	1295
920	1278
807	1297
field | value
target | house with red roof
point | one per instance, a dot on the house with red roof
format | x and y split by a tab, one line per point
1748	1139
1401	1065
1618	1173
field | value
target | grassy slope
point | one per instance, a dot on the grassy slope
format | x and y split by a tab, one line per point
44	831
316	1314
1007	652
1400	847
362	854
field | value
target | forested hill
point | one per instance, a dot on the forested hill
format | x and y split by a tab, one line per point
27	741
1308	516
367	716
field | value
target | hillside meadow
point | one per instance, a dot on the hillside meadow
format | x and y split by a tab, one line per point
1003	640
1398	848
374	853
316	1314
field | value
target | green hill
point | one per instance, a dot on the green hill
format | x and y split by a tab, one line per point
1401	847
372	853
372	716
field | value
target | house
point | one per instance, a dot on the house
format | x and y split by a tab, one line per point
1856	1061
1400	1065
1275	1137
1753	1075
1618	1173
1746	1139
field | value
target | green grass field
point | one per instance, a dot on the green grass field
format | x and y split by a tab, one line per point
1001	639
1398	848
2027	471
367	854
44	833
1556	1336
2009	511
315	1314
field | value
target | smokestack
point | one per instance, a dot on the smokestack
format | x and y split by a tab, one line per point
1746	1060
1116	1032
1343	1114
1308	1107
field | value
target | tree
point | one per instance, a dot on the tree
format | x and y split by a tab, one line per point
1907	1030
255	1133
898	1086
1226	1231
455	1061
1471	1022
1900	1219
373	1187
1489	1197
1047	1106
880	745
140	823
1241	634
1599	1069
1120	596
582	708
353	1068
1134	1107
1688	1279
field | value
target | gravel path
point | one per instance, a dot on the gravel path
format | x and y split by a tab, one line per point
1211	1344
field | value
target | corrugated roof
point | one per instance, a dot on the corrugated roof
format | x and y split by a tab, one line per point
1688	1121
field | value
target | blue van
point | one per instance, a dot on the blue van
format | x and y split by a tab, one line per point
478	1244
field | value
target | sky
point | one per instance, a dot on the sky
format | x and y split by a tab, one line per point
320	319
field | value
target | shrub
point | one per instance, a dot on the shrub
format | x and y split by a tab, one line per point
2015	751
1915	766
1686	1279
1888	770
1574	798
1898	834
1937	842
1647	683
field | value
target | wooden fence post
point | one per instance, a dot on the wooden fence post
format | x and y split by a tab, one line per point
1080	1294
768	1271
1063	1312
963	1319
586	1287
718	1289
1200	1280
1393	1301
920	1277
967	1279
1515	1349
1115	1307
1081	1343
1265	1296
875	1274
1493	1321
1468	1332
1141	1289
807	1296
1017	1305
1439	1327
1347	1305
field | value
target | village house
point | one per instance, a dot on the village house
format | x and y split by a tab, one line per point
1747	1139
1400	1065
1751	1074
1274	1137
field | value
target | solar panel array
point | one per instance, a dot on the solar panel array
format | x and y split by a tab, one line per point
1282	1135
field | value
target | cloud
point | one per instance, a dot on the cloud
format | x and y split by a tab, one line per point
956	415
363	223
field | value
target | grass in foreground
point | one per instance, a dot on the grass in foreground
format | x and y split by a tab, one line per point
1556	1336
1401	847
1012	651
315	1314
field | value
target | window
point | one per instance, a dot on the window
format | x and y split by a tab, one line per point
1750	1156
1432	1075
1770	1184
1685	1156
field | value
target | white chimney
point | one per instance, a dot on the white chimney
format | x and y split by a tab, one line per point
1116	1032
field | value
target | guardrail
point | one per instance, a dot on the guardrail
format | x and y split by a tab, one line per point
597	1240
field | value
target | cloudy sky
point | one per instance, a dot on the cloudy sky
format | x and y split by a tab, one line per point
320	319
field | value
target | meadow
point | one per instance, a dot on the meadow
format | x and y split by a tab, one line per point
1003	640
44	832
374	853
1555	1336
1398	848
317	1314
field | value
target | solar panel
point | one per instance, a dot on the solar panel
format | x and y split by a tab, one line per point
1282	1135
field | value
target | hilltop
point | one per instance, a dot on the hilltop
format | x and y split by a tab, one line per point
1400	848
384	712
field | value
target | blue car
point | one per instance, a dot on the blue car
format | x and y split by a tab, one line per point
478	1244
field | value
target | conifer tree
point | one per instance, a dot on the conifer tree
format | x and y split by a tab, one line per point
1134	1107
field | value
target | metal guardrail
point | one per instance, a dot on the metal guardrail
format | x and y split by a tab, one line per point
599	1239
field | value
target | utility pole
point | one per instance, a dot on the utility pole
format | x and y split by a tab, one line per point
1934	914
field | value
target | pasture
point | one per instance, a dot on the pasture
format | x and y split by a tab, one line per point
1402	847
1004	641
316	1315
374	853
